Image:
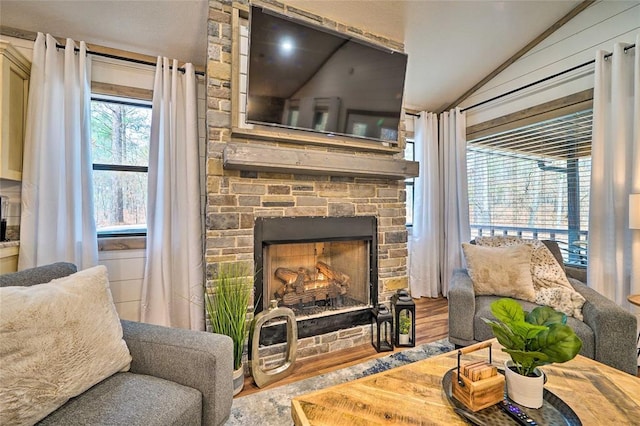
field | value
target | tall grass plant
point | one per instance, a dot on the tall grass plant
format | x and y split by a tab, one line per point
227	306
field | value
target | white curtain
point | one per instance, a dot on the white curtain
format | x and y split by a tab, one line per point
455	198
57	222
172	290
441	215
614	174
424	275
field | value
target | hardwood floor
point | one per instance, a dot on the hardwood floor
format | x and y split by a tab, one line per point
431	325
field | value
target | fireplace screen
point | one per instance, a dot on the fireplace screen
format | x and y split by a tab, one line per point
316	277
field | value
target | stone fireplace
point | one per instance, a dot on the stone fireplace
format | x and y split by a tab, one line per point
300	203
323	268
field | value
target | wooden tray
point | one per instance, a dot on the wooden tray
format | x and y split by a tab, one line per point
554	411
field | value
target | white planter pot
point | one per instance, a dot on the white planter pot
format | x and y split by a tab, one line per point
403	339
523	390
238	380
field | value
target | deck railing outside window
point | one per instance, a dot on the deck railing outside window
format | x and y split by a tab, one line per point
574	254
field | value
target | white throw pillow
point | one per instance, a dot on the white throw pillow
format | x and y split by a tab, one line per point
56	341
545	269
500	271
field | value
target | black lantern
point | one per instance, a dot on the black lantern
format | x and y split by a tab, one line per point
404	313
381	330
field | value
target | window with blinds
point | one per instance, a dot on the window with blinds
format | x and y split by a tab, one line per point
533	182
409	154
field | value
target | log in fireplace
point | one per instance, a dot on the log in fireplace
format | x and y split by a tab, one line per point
323	268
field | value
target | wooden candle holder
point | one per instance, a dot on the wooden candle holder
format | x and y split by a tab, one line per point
478	384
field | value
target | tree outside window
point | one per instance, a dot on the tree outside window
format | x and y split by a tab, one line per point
120	133
533	182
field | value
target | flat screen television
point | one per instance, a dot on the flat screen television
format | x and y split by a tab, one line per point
307	77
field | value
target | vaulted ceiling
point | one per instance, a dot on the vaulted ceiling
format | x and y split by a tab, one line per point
451	44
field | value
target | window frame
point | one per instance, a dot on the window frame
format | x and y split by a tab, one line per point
128	101
550	110
410	182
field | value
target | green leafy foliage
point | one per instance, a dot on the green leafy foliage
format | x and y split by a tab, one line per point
227	307
405	323
544	315
535	338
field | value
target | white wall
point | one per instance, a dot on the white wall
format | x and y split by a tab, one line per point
598	27
126	270
126	267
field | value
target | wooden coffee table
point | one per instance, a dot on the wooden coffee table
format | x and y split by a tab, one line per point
413	394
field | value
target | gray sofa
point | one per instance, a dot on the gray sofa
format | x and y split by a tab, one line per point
177	377
608	332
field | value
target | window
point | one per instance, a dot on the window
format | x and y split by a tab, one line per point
409	154
533	182
293	117
360	129
120	132
320	118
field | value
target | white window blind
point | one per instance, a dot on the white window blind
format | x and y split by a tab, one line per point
533	182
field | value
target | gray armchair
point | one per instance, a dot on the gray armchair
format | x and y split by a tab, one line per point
177	376
608	332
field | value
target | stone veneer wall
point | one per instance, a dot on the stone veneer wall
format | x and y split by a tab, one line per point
236	198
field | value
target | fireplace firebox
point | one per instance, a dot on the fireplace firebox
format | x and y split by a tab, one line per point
323	268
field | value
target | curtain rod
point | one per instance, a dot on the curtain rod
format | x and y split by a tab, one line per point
124	58
526	86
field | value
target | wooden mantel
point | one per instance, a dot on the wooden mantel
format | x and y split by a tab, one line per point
264	158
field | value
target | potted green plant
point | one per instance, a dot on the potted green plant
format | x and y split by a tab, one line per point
532	339
404	326
227	310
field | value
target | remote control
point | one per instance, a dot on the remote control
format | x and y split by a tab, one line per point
516	413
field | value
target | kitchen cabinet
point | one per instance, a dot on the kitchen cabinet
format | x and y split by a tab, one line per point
14	90
9	256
